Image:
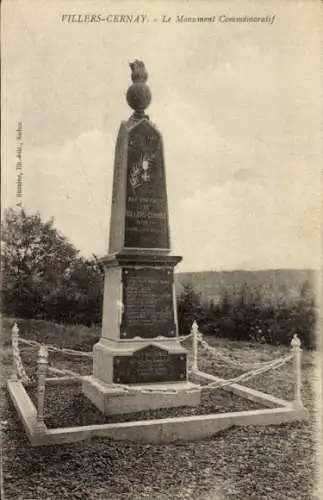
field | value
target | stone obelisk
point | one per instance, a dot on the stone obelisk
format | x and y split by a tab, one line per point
139	343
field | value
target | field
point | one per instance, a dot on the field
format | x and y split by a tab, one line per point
252	462
273	284
263	306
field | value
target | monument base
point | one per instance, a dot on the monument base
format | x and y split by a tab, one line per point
140	362
116	401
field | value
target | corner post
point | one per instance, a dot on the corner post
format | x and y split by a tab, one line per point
42	371
297	355
15	348
195	332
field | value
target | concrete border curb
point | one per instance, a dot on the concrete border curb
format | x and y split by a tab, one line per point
151	431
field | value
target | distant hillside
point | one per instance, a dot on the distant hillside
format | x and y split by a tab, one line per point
273	283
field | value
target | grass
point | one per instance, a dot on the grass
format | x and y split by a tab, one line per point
253	462
71	336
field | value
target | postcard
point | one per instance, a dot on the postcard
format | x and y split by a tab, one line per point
161	249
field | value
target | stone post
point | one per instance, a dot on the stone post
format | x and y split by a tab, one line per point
42	371
15	348
297	353
195	332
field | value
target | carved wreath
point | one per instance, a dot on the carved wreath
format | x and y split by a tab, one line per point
140	172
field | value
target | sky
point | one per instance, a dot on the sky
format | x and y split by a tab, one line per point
238	106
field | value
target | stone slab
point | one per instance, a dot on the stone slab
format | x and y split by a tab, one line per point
130	362
115	401
146	217
139	214
139	296
26	411
148	300
175	429
150	364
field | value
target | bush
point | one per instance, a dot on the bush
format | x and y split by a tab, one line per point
43	275
249	315
188	309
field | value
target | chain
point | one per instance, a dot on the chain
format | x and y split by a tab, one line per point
184	337
149	390
213	385
225	359
53	348
246	376
262	368
64	372
124	387
72	352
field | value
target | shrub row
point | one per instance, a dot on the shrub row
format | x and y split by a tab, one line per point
249	321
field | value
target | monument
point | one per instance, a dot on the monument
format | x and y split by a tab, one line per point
139	345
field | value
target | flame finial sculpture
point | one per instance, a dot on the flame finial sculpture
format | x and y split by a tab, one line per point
138	94
139	73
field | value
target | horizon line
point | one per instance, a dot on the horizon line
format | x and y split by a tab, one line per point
251	270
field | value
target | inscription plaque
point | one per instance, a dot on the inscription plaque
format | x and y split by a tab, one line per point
146	221
150	364
148	303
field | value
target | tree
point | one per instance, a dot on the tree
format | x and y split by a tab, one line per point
43	275
84	302
188	308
